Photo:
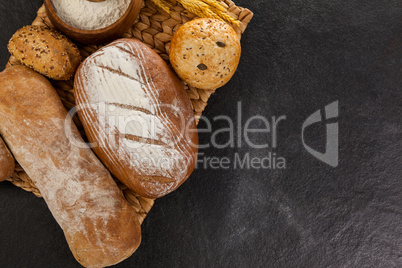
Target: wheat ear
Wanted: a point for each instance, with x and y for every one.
(164, 5)
(196, 7)
(214, 3)
(226, 17)
(204, 9)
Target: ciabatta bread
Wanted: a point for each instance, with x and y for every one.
(138, 116)
(7, 163)
(100, 226)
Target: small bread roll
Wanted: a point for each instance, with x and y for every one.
(205, 53)
(7, 163)
(46, 51)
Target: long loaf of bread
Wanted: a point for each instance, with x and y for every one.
(7, 163)
(100, 226)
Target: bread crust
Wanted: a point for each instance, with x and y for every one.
(131, 78)
(100, 227)
(205, 53)
(46, 51)
(7, 163)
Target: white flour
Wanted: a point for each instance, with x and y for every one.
(87, 15)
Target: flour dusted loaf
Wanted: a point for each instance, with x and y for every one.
(46, 51)
(7, 163)
(205, 53)
(100, 226)
(138, 116)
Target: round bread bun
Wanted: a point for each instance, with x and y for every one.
(205, 53)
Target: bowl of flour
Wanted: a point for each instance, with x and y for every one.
(93, 22)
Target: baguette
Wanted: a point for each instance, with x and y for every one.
(7, 163)
(99, 225)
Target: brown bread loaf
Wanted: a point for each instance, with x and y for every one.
(100, 226)
(136, 112)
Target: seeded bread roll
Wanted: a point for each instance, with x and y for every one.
(138, 116)
(205, 53)
(46, 51)
(7, 163)
(100, 226)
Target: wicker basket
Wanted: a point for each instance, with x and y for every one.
(154, 28)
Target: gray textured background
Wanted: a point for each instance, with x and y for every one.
(298, 56)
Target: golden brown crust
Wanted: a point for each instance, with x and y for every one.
(100, 226)
(205, 53)
(159, 80)
(7, 163)
(46, 51)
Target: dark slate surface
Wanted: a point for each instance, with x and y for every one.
(298, 56)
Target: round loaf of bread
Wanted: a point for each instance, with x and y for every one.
(205, 53)
(138, 117)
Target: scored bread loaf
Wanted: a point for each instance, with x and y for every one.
(7, 163)
(100, 226)
(136, 112)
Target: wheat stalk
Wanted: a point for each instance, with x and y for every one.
(194, 6)
(226, 17)
(214, 3)
(200, 8)
(164, 5)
